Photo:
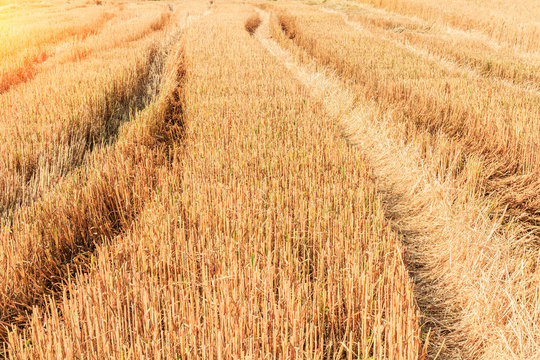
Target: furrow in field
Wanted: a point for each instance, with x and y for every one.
(484, 121)
(269, 241)
(501, 24)
(451, 247)
(44, 144)
(54, 236)
(512, 72)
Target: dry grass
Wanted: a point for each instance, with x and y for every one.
(85, 104)
(96, 202)
(474, 113)
(456, 282)
(264, 236)
(288, 24)
(252, 23)
(504, 21)
(203, 180)
(47, 142)
(26, 42)
(473, 54)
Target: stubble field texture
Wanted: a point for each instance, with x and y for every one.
(315, 179)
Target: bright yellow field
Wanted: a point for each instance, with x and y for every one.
(269, 179)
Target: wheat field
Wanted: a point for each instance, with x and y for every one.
(312, 179)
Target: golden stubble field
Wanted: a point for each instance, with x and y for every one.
(269, 179)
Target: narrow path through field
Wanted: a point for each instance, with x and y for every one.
(457, 308)
(30, 181)
(460, 68)
(449, 29)
(119, 182)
